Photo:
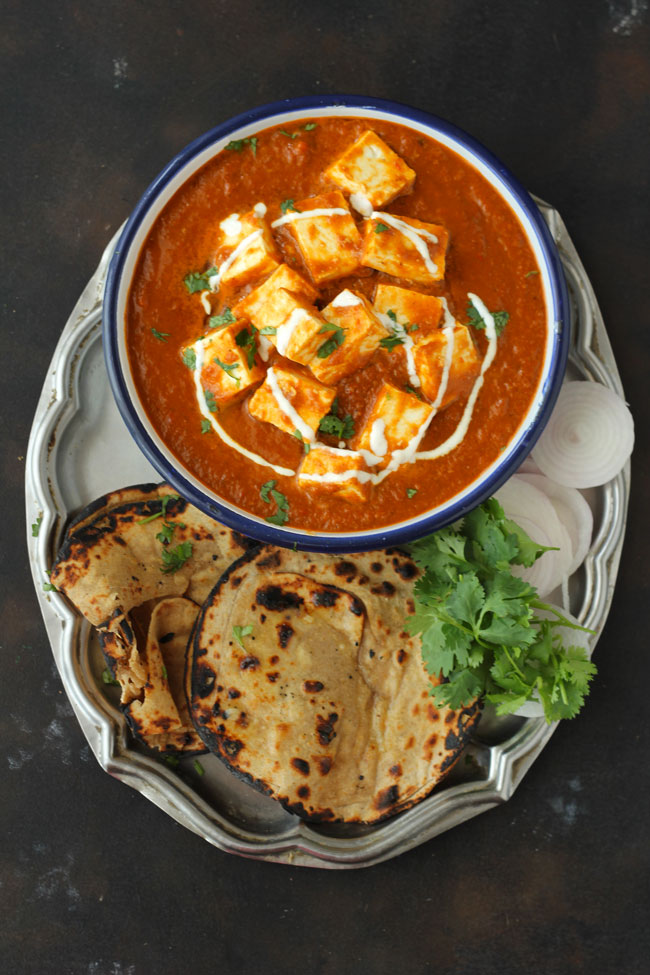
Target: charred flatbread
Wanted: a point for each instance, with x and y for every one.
(138, 563)
(305, 682)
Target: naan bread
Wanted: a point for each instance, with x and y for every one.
(323, 702)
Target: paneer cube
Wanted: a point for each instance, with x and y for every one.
(246, 250)
(371, 173)
(283, 277)
(325, 235)
(227, 369)
(349, 346)
(395, 419)
(292, 402)
(430, 357)
(291, 324)
(405, 248)
(417, 313)
(343, 473)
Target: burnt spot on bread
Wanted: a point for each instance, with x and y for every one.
(401, 656)
(204, 680)
(356, 606)
(395, 770)
(235, 582)
(274, 659)
(285, 631)
(272, 676)
(386, 798)
(325, 728)
(300, 765)
(233, 693)
(384, 589)
(231, 746)
(406, 570)
(277, 600)
(346, 569)
(242, 720)
(377, 567)
(324, 763)
(304, 792)
(269, 561)
(249, 663)
(312, 686)
(450, 717)
(433, 714)
(325, 597)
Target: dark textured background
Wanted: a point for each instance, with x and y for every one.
(93, 878)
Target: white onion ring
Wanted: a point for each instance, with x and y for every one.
(570, 638)
(534, 512)
(573, 511)
(588, 438)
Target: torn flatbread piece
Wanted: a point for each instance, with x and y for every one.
(305, 682)
(138, 563)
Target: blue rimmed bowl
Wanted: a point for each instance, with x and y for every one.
(181, 168)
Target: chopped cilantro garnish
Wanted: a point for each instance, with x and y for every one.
(36, 526)
(108, 678)
(298, 435)
(530, 274)
(239, 632)
(49, 587)
(164, 672)
(199, 280)
(309, 126)
(225, 318)
(172, 760)
(210, 401)
(238, 145)
(189, 358)
(380, 228)
(166, 533)
(412, 391)
(391, 341)
(198, 768)
(411, 492)
(478, 622)
(269, 494)
(268, 330)
(164, 503)
(246, 340)
(206, 425)
(175, 558)
(290, 135)
(500, 318)
(288, 205)
(341, 428)
(333, 343)
(161, 336)
(230, 368)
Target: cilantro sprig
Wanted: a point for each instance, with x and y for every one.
(478, 621)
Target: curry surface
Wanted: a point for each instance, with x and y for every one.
(488, 255)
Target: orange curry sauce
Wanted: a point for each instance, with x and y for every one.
(488, 255)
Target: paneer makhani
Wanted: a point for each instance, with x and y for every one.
(326, 315)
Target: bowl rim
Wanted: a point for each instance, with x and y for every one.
(400, 532)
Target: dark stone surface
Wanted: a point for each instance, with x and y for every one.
(93, 878)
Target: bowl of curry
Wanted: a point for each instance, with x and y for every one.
(335, 323)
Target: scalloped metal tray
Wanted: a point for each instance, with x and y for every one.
(79, 448)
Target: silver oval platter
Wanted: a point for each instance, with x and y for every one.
(79, 449)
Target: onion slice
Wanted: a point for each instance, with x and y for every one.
(570, 638)
(588, 438)
(534, 512)
(573, 511)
